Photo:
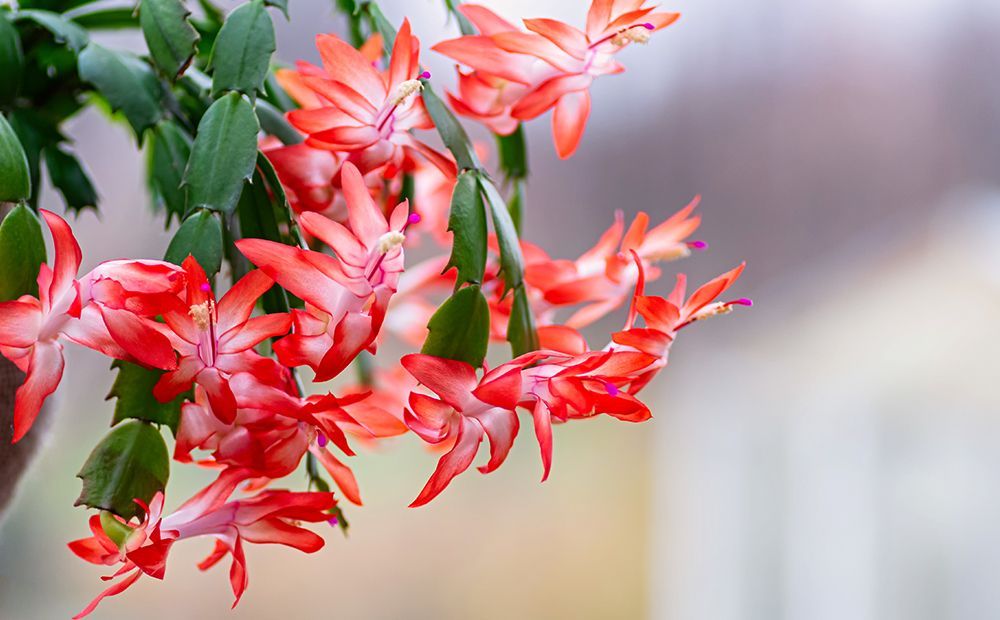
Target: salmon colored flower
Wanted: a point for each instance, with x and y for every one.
(520, 75)
(350, 106)
(272, 516)
(551, 385)
(215, 339)
(31, 329)
(347, 294)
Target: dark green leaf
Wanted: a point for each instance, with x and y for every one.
(259, 211)
(273, 122)
(11, 59)
(34, 133)
(463, 22)
(200, 236)
(460, 329)
(242, 52)
(276, 95)
(130, 463)
(169, 35)
(170, 150)
(516, 204)
(62, 29)
(352, 10)
(468, 221)
(513, 154)
(133, 391)
(511, 260)
(223, 154)
(521, 332)
(452, 133)
(69, 177)
(22, 252)
(126, 82)
(15, 179)
(108, 19)
(381, 25)
(281, 5)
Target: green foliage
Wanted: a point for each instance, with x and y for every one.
(170, 149)
(273, 122)
(223, 154)
(133, 391)
(22, 252)
(130, 463)
(242, 52)
(521, 332)
(281, 5)
(171, 38)
(15, 179)
(63, 30)
(127, 83)
(11, 59)
(115, 18)
(200, 236)
(511, 260)
(468, 221)
(463, 22)
(452, 132)
(381, 25)
(513, 153)
(69, 177)
(460, 329)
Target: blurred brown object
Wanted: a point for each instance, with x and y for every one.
(14, 458)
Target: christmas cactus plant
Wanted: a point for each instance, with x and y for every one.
(295, 194)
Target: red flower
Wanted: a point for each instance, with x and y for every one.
(519, 76)
(269, 517)
(215, 340)
(92, 312)
(347, 294)
(350, 106)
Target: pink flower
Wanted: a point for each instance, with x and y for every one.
(550, 384)
(215, 339)
(521, 75)
(92, 312)
(347, 295)
(272, 516)
(350, 106)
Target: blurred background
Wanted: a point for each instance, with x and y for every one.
(829, 454)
